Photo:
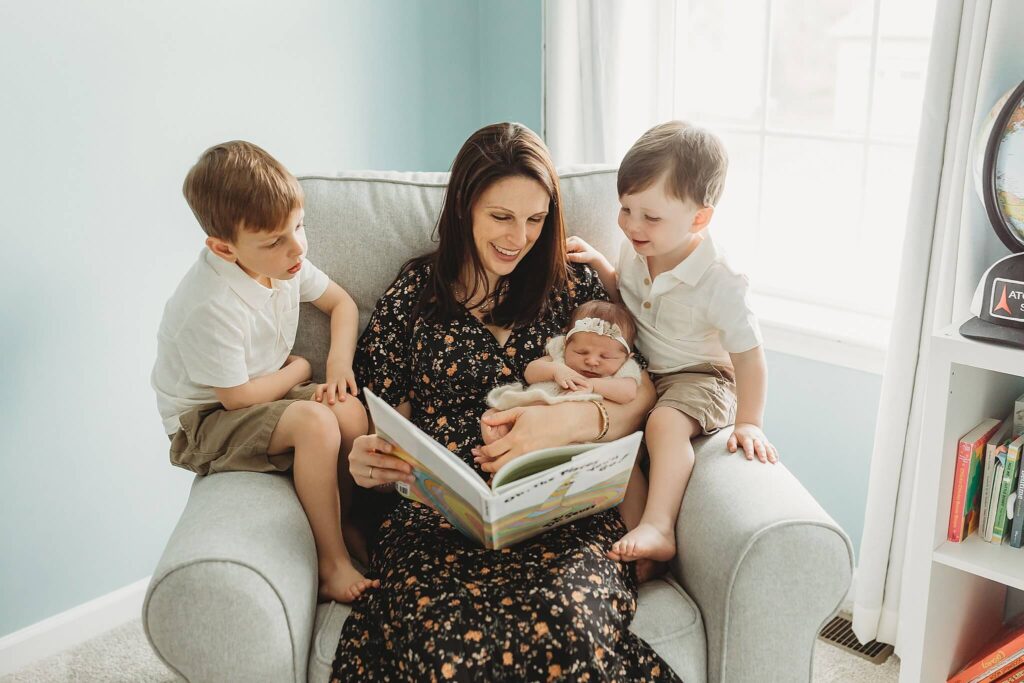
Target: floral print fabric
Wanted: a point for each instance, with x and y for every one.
(552, 608)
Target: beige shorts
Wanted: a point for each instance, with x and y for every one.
(213, 439)
(705, 392)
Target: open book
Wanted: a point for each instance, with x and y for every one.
(529, 495)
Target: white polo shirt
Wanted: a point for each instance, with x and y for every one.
(221, 329)
(697, 312)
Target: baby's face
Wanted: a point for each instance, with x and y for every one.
(594, 355)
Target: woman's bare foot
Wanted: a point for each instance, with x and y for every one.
(342, 582)
(645, 541)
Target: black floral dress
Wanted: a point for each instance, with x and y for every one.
(551, 608)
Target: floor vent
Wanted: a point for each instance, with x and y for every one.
(839, 632)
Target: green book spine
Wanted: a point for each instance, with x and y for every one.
(1008, 486)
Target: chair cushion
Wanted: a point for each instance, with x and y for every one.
(666, 618)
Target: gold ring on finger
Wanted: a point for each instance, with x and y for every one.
(371, 472)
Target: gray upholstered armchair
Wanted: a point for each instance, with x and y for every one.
(234, 595)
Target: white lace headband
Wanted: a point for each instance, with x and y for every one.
(601, 327)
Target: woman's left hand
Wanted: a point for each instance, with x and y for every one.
(530, 428)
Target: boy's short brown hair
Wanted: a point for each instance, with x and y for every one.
(692, 159)
(613, 313)
(237, 184)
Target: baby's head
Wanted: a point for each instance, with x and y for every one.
(599, 339)
(669, 183)
(250, 208)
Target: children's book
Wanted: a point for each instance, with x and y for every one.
(1003, 653)
(997, 480)
(1015, 676)
(1007, 490)
(528, 496)
(1018, 416)
(988, 481)
(963, 511)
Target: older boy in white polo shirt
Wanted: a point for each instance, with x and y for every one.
(231, 395)
(694, 324)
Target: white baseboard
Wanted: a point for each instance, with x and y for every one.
(70, 628)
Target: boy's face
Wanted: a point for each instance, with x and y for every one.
(594, 355)
(264, 256)
(660, 225)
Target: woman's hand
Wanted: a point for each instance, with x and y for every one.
(530, 428)
(372, 466)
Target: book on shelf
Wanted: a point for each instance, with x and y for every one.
(986, 511)
(531, 494)
(997, 480)
(1018, 416)
(999, 656)
(963, 510)
(1016, 503)
(1007, 490)
(1015, 676)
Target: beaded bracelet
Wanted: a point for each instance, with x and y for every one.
(605, 421)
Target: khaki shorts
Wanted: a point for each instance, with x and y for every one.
(705, 392)
(212, 439)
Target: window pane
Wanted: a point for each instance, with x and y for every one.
(821, 63)
(901, 67)
(810, 221)
(735, 222)
(720, 60)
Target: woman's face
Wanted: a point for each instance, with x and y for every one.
(507, 220)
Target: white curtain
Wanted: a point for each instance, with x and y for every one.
(931, 288)
(608, 70)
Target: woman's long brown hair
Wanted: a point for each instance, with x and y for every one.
(501, 150)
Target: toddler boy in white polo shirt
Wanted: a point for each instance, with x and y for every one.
(695, 327)
(231, 395)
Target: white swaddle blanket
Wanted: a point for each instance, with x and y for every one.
(512, 395)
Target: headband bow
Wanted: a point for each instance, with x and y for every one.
(601, 327)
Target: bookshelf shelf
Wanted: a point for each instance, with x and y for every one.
(954, 593)
(989, 561)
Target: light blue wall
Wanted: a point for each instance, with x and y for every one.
(104, 107)
(822, 419)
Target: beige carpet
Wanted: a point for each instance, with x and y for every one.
(124, 655)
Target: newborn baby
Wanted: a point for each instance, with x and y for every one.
(592, 361)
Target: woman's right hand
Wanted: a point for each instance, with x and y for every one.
(371, 464)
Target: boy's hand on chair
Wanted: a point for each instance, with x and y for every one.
(341, 381)
(754, 443)
(578, 251)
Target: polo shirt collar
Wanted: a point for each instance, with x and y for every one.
(248, 290)
(693, 267)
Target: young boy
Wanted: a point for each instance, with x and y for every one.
(231, 395)
(695, 327)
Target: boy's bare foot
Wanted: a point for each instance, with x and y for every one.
(645, 541)
(342, 582)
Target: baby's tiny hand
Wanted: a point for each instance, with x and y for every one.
(567, 378)
(751, 438)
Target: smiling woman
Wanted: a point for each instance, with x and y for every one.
(455, 324)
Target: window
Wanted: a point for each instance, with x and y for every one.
(818, 102)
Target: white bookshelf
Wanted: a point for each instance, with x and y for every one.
(954, 592)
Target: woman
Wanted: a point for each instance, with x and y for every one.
(453, 325)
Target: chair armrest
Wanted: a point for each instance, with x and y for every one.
(234, 594)
(763, 561)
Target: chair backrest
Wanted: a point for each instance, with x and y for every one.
(363, 226)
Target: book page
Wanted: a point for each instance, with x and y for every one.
(443, 480)
(593, 480)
